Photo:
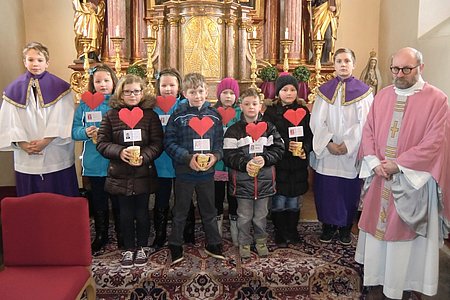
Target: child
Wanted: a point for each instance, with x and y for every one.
(102, 80)
(227, 95)
(337, 120)
(184, 145)
(291, 170)
(131, 181)
(241, 153)
(36, 122)
(168, 83)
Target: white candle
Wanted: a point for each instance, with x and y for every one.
(254, 32)
(84, 32)
(318, 37)
(286, 34)
(117, 31)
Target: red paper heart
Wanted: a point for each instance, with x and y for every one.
(131, 117)
(256, 130)
(92, 100)
(295, 116)
(201, 126)
(165, 103)
(227, 114)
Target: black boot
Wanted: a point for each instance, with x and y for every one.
(160, 223)
(101, 222)
(279, 223)
(328, 232)
(189, 228)
(292, 217)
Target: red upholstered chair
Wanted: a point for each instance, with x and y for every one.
(46, 248)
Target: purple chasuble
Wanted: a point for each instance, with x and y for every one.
(49, 89)
(354, 89)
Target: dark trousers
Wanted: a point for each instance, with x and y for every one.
(162, 196)
(134, 208)
(100, 196)
(205, 200)
(220, 193)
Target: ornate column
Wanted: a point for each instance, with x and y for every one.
(137, 30)
(116, 25)
(271, 31)
(293, 22)
(244, 60)
(231, 33)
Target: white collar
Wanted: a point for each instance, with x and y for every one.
(417, 87)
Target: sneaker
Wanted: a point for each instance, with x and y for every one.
(244, 251)
(345, 237)
(141, 258)
(127, 259)
(215, 251)
(261, 248)
(176, 252)
(328, 232)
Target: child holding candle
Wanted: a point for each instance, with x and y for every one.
(131, 181)
(87, 119)
(252, 186)
(291, 118)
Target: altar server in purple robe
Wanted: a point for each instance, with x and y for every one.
(36, 121)
(337, 119)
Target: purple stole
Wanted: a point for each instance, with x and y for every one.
(354, 90)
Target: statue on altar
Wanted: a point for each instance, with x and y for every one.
(89, 23)
(371, 73)
(325, 16)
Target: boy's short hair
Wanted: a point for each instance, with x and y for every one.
(250, 92)
(193, 81)
(38, 47)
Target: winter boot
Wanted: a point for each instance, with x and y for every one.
(160, 222)
(101, 222)
(189, 228)
(292, 217)
(234, 230)
(219, 220)
(279, 223)
(261, 247)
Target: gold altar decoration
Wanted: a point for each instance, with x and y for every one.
(286, 44)
(79, 81)
(150, 42)
(253, 43)
(318, 79)
(117, 42)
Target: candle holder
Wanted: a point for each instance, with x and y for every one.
(79, 81)
(117, 42)
(254, 43)
(286, 44)
(318, 79)
(150, 42)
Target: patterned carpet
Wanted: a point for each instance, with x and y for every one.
(309, 270)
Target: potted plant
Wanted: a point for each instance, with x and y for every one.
(137, 70)
(268, 75)
(302, 74)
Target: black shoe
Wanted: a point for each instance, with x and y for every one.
(279, 223)
(215, 251)
(176, 252)
(328, 232)
(345, 237)
(101, 223)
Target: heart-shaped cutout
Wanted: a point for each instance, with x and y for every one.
(256, 130)
(227, 114)
(92, 100)
(131, 117)
(165, 103)
(201, 126)
(295, 116)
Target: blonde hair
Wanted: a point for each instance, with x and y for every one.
(38, 47)
(193, 81)
(117, 101)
